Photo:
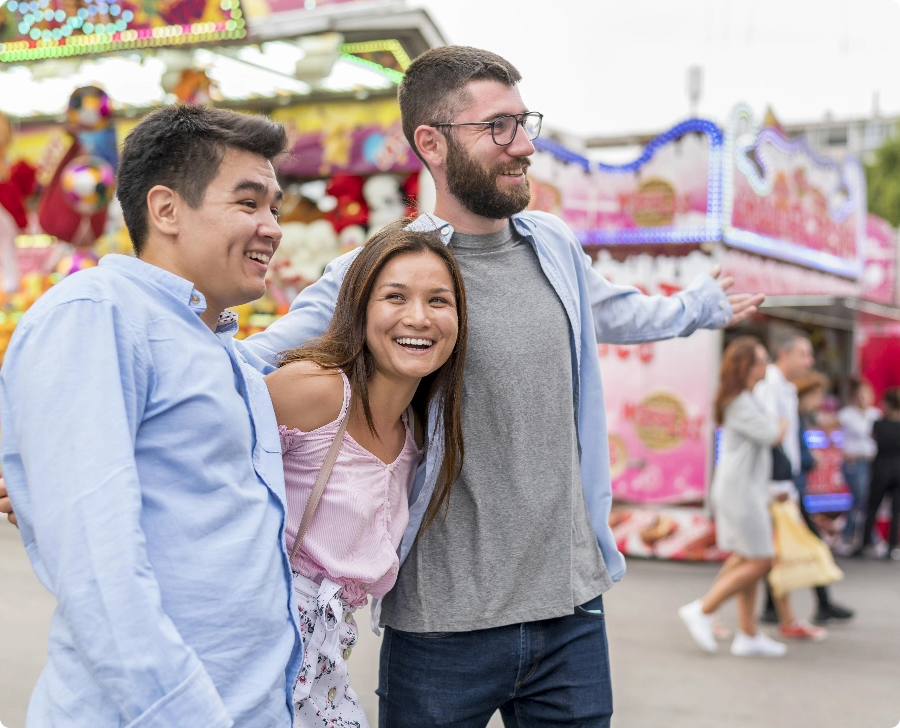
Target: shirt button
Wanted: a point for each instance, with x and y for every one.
(722, 305)
(195, 299)
(346, 655)
(331, 694)
(391, 468)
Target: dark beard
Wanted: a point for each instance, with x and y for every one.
(476, 187)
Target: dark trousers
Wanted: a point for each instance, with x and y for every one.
(885, 481)
(545, 674)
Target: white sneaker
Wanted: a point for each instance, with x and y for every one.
(895, 553)
(699, 625)
(758, 646)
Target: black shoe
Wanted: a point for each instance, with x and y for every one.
(769, 616)
(832, 611)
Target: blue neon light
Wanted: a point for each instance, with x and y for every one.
(816, 440)
(663, 234)
(828, 502)
(720, 198)
(790, 252)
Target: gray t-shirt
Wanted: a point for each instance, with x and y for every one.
(517, 544)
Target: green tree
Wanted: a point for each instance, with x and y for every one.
(883, 181)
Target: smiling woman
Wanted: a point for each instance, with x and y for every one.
(352, 408)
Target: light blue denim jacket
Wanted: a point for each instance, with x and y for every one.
(598, 311)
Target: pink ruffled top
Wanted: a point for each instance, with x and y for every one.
(355, 533)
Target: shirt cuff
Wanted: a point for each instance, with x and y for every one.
(195, 702)
(716, 306)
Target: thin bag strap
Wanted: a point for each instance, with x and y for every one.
(319, 488)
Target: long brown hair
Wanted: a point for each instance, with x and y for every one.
(737, 361)
(343, 346)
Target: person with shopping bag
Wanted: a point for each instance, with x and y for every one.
(740, 502)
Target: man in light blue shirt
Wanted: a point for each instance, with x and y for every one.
(141, 452)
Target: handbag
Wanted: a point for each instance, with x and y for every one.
(781, 466)
(802, 559)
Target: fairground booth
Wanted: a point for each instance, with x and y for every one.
(781, 221)
(77, 75)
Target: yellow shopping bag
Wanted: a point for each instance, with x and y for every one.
(802, 559)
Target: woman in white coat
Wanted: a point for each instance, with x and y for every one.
(741, 502)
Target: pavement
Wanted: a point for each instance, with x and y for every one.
(660, 678)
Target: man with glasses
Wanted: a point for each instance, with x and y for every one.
(499, 604)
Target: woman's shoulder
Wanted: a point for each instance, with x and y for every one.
(305, 395)
(743, 400)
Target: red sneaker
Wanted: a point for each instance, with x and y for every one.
(802, 630)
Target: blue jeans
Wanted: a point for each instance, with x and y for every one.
(856, 473)
(546, 674)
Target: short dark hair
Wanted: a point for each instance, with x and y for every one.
(182, 147)
(433, 89)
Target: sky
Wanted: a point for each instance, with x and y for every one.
(616, 66)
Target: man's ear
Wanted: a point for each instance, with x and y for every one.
(432, 145)
(162, 207)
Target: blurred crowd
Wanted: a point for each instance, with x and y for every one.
(768, 408)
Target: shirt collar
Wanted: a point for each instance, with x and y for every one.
(168, 282)
(427, 222)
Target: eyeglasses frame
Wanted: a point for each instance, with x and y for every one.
(520, 118)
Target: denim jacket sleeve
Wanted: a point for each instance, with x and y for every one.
(309, 317)
(75, 377)
(624, 315)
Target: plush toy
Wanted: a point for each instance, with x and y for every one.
(384, 199)
(301, 257)
(351, 209)
(70, 215)
(353, 236)
(410, 189)
(89, 109)
(17, 182)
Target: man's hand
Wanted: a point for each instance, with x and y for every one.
(6, 504)
(743, 305)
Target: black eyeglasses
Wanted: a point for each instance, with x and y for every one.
(504, 128)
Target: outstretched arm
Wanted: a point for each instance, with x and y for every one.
(72, 390)
(624, 315)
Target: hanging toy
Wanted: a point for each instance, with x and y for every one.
(74, 211)
(89, 109)
(87, 185)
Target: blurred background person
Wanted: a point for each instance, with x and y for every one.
(885, 474)
(811, 391)
(741, 502)
(856, 420)
(793, 360)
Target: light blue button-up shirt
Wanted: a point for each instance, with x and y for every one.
(142, 458)
(598, 311)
